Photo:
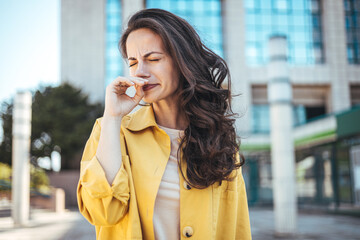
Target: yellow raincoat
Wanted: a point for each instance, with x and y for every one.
(124, 209)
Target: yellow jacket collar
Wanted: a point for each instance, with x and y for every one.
(141, 119)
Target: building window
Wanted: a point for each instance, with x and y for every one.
(352, 24)
(203, 15)
(114, 62)
(355, 95)
(314, 175)
(309, 103)
(299, 20)
(260, 119)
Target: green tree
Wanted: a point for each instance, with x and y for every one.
(6, 145)
(62, 117)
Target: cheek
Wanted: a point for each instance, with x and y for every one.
(172, 74)
(176, 78)
(131, 72)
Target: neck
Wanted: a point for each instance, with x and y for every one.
(169, 115)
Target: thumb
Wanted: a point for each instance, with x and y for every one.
(139, 94)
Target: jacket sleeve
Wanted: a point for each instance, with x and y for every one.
(100, 203)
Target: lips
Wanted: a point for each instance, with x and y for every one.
(149, 86)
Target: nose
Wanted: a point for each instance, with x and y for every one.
(141, 71)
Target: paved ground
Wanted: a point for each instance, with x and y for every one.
(310, 226)
(45, 225)
(71, 225)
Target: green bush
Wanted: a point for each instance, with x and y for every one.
(5, 171)
(5, 177)
(62, 117)
(39, 181)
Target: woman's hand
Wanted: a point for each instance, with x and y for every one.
(117, 105)
(117, 102)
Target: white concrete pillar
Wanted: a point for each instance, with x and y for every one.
(282, 148)
(58, 200)
(21, 158)
(234, 51)
(334, 35)
(83, 45)
(129, 7)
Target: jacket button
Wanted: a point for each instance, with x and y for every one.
(186, 186)
(188, 231)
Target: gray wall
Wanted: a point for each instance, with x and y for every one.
(83, 46)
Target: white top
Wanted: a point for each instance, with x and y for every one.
(167, 204)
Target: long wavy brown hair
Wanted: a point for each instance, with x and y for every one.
(210, 145)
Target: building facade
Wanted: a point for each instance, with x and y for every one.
(83, 46)
(323, 54)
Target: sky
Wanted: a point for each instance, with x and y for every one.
(29, 45)
(30, 36)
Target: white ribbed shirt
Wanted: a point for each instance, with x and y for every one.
(167, 204)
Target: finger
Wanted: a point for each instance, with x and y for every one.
(120, 90)
(139, 94)
(122, 87)
(121, 81)
(139, 81)
(138, 78)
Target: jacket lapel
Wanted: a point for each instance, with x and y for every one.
(149, 150)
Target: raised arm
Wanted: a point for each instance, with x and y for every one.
(117, 105)
(103, 188)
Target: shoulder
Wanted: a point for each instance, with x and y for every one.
(133, 116)
(133, 119)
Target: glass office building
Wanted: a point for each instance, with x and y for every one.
(324, 56)
(204, 15)
(299, 21)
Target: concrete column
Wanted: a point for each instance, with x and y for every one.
(282, 148)
(234, 49)
(83, 46)
(21, 158)
(129, 7)
(334, 35)
(58, 200)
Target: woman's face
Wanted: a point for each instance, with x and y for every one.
(148, 59)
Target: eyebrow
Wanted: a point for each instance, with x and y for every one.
(146, 55)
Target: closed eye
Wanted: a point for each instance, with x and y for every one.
(151, 60)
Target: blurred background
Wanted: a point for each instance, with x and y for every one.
(66, 52)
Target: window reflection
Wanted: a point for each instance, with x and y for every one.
(305, 177)
(327, 183)
(314, 174)
(204, 15)
(260, 116)
(114, 62)
(299, 20)
(352, 24)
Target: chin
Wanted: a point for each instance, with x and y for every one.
(149, 99)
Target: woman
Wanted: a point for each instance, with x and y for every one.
(174, 172)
